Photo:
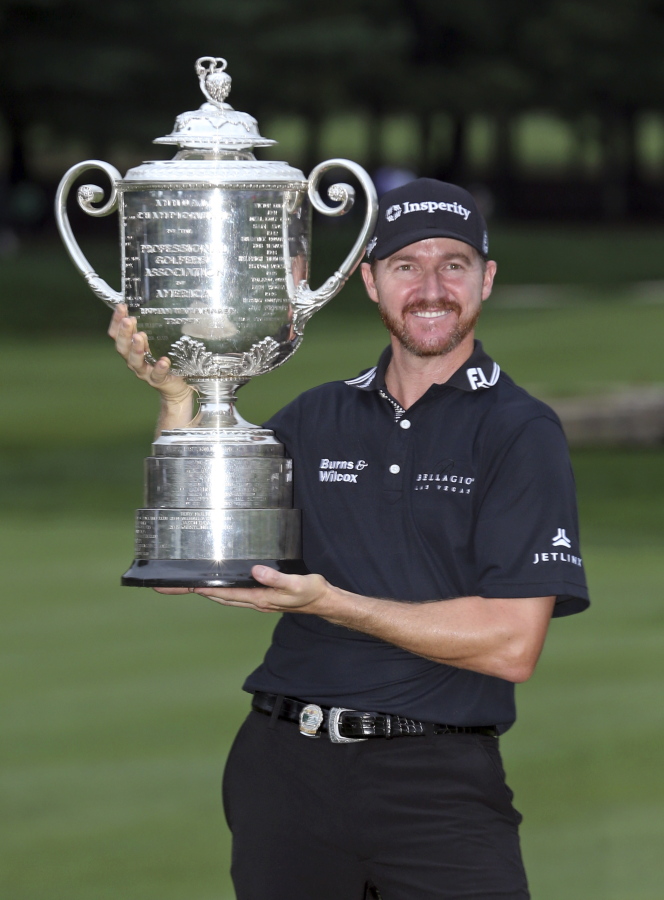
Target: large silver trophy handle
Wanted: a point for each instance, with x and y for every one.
(306, 301)
(87, 195)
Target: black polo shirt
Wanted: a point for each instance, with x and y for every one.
(468, 492)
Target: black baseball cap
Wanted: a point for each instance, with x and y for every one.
(426, 208)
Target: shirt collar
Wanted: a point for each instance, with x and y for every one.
(478, 372)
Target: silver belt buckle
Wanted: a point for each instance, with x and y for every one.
(333, 727)
(311, 718)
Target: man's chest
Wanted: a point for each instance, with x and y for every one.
(389, 505)
(428, 464)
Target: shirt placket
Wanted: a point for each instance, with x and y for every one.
(396, 455)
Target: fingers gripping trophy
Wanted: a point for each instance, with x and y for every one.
(215, 261)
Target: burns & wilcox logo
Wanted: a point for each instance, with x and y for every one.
(341, 469)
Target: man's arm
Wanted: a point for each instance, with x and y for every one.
(499, 637)
(177, 397)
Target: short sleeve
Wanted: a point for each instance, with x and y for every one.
(527, 532)
(285, 424)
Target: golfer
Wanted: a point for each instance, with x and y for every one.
(440, 530)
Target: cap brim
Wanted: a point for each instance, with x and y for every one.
(399, 241)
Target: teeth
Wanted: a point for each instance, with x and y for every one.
(434, 314)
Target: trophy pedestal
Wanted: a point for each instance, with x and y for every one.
(204, 572)
(218, 501)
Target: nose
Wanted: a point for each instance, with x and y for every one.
(431, 286)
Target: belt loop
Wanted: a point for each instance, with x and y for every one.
(276, 709)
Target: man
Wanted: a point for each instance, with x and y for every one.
(439, 523)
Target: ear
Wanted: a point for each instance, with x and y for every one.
(369, 283)
(489, 275)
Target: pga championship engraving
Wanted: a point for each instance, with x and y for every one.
(215, 250)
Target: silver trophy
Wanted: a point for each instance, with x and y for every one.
(215, 261)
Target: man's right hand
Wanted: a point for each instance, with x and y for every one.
(132, 346)
(176, 395)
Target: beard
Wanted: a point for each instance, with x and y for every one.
(433, 345)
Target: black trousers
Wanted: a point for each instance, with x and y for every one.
(402, 819)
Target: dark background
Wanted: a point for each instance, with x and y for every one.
(553, 109)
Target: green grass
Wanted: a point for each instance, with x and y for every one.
(43, 294)
(120, 705)
(584, 759)
(579, 345)
(119, 708)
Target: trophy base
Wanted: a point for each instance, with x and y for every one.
(204, 572)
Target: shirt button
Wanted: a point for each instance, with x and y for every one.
(405, 423)
(395, 469)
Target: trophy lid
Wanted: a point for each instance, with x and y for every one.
(216, 125)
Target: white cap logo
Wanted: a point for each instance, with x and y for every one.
(370, 246)
(429, 206)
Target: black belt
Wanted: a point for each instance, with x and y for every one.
(345, 725)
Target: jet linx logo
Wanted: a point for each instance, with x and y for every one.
(559, 539)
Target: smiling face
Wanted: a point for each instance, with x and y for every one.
(430, 294)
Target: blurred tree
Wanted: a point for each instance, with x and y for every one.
(122, 71)
(105, 71)
(601, 58)
(67, 65)
(462, 60)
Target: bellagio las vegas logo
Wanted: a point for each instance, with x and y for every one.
(559, 539)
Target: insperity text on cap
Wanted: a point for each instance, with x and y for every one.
(426, 208)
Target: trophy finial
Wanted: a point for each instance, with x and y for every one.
(213, 79)
(216, 126)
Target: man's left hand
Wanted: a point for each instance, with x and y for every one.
(282, 593)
